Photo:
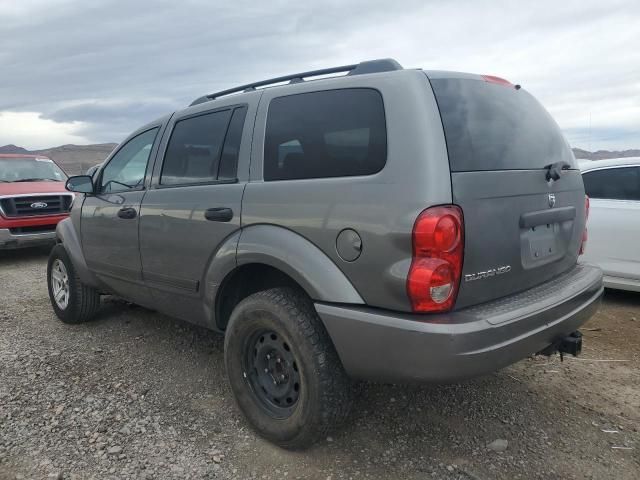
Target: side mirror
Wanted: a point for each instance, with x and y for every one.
(80, 184)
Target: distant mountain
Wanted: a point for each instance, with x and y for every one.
(74, 159)
(604, 154)
(12, 149)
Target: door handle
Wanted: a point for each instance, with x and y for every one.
(127, 213)
(220, 214)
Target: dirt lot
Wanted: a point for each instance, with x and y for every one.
(135, 394)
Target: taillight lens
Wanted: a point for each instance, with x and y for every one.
(436, 266)
(585, 236)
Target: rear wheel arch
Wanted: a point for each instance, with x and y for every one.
(269, 256)
(244, 281)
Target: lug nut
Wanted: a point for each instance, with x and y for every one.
(266, 370)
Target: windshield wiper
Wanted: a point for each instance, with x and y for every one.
(36, 180)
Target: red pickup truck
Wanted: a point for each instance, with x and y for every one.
(32, 200)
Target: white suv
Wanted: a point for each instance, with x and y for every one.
(613, 187)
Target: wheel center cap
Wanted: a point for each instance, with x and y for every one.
(277, 368)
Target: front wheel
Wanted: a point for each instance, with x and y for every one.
(283, 369)
(72, 301)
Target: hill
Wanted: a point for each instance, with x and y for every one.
(604, 154)
(74, 159)
(13, 149)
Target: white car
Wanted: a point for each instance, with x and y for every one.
(613, 187)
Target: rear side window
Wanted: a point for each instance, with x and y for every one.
(333, 133)
(613, 183)
(495, 127)
(204, 149)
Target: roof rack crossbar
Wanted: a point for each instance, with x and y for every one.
(372, 66)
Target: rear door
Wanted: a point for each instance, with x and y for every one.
(194, 204)
(614, 220)
(521, 228)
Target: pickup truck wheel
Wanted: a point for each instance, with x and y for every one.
(283, 369)
(72, 301)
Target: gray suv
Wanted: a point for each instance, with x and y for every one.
(385, 224)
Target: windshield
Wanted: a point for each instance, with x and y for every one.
(493, 127)
(30, 170)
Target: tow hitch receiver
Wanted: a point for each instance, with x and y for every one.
(571, 344)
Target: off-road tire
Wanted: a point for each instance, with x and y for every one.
(84, 301)
(325, 394)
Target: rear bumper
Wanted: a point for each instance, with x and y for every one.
(392, 347)
(10, 240)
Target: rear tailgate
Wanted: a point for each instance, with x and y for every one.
(520, 229)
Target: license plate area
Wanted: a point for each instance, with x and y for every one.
(540, 244)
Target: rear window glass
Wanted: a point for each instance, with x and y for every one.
(495, 127)
(333, 133)
(613, 183)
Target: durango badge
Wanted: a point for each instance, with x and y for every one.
(470, 277)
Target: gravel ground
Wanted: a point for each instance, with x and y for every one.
(135, 394)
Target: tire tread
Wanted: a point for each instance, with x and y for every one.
(84, 300)
(335, 387)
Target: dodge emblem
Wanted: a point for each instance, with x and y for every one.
(39, 205)
(552, 200)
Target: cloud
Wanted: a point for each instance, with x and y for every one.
(29, 128)
(104, 120)
(115, 65)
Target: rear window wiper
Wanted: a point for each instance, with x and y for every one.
(554, 170)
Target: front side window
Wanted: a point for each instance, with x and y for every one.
(126, 169)
(204, 149)
(622, 183)
(332, 133)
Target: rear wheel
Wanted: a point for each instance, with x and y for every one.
(283, 369)
(72, 301)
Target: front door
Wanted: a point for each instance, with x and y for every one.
(193, 205)
(110, 218)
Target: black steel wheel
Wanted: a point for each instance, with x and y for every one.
(272, 373)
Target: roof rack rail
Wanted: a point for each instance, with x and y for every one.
(370, 66)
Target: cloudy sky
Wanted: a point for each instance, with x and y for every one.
(91, 71)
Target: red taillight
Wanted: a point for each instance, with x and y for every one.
(586, 208)
(583, 243)
(438, 245)
(494, 79)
